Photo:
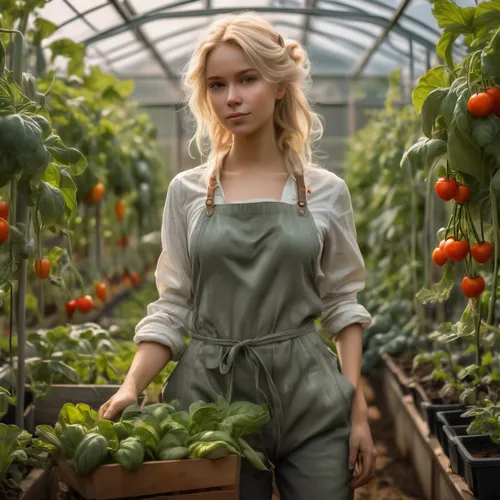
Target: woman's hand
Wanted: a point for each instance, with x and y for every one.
(362, 453)
(125, 396)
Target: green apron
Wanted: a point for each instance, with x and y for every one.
(255, 302)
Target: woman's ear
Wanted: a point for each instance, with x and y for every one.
(280, 92)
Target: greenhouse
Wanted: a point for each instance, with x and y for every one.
(249, 249)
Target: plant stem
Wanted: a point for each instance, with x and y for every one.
(478, 332)
(471, 222)
(23, 221)
(496, 243)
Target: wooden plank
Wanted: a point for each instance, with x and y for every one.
(154, 478)
(35, 485)
(232, 494)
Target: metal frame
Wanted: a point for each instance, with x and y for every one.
(341, 13)
(122, 8)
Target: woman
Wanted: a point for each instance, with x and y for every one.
(257, 244)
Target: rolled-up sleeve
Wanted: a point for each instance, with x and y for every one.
(169, 318)
(342, 267)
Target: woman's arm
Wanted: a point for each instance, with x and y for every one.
(149, 360)
(350, 352)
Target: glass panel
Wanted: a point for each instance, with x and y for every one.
(141, 64)
(125, 51)
(57, 12)
(141, 6)
(104, 18)
(161, 28)
(329, 58)
(116, 42)
(83, 5)
(231, 4)
(346, 30)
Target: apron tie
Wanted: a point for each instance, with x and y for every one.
(226, 366)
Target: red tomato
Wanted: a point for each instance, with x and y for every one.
(101, 291)
(135, 278)
(85, 303)
(97, 192)
(120, 209)
(472, 287)
(439, 257)
(456, 250)
(4, 231)
(4, 210)
(446, 188)
(480, 104)
(495, 93)
(71, 306)
(482, 252)
(42, 268)
(443, 242)
(463, 194)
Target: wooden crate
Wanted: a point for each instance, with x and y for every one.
(192, 479)
(47, 410)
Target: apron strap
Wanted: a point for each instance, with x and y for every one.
(301, 195)
(210, 201)
(212, 184)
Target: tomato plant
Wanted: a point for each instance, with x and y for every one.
(463, 194)
(494, 92)
(482, 252)
(71, 306)
(456, 250)
(135, 278)
(480, 104)
(473, 287)
(4, 231)
(439, 257)
(4, 210)
(101, 291)
(42, 268)
(85, 303)
(446, 188)
(120, 209)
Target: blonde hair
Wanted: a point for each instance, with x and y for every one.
(278, 61)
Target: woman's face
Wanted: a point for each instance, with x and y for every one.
(241, 98)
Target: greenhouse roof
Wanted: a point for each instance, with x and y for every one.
(154, 38)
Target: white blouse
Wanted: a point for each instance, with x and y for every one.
(340, 267)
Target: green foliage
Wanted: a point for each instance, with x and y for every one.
(156, 432)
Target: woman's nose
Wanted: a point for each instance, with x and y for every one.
(233, 97)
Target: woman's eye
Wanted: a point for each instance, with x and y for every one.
(215, 85)
(248, 79)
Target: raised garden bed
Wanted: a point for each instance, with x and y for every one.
(481, 465)
(422, 449)
(398, 373)
(456, 461)
(447, 419)
(194, 479)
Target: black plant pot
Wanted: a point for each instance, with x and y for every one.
(456, 461)
(431, 410)
(481, 474)
(449, 419)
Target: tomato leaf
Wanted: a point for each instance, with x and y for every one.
(490, 57)
(44, 29)
(444, 48)
(431, 109)
(68, 191)
(424, 152)
(463, 154)
(495, 181)
(67, 156)
(450, 101)
(439, 292)
(74, 51)
(50, 204)
(453, 18)
(437, 77)
(485, 130)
